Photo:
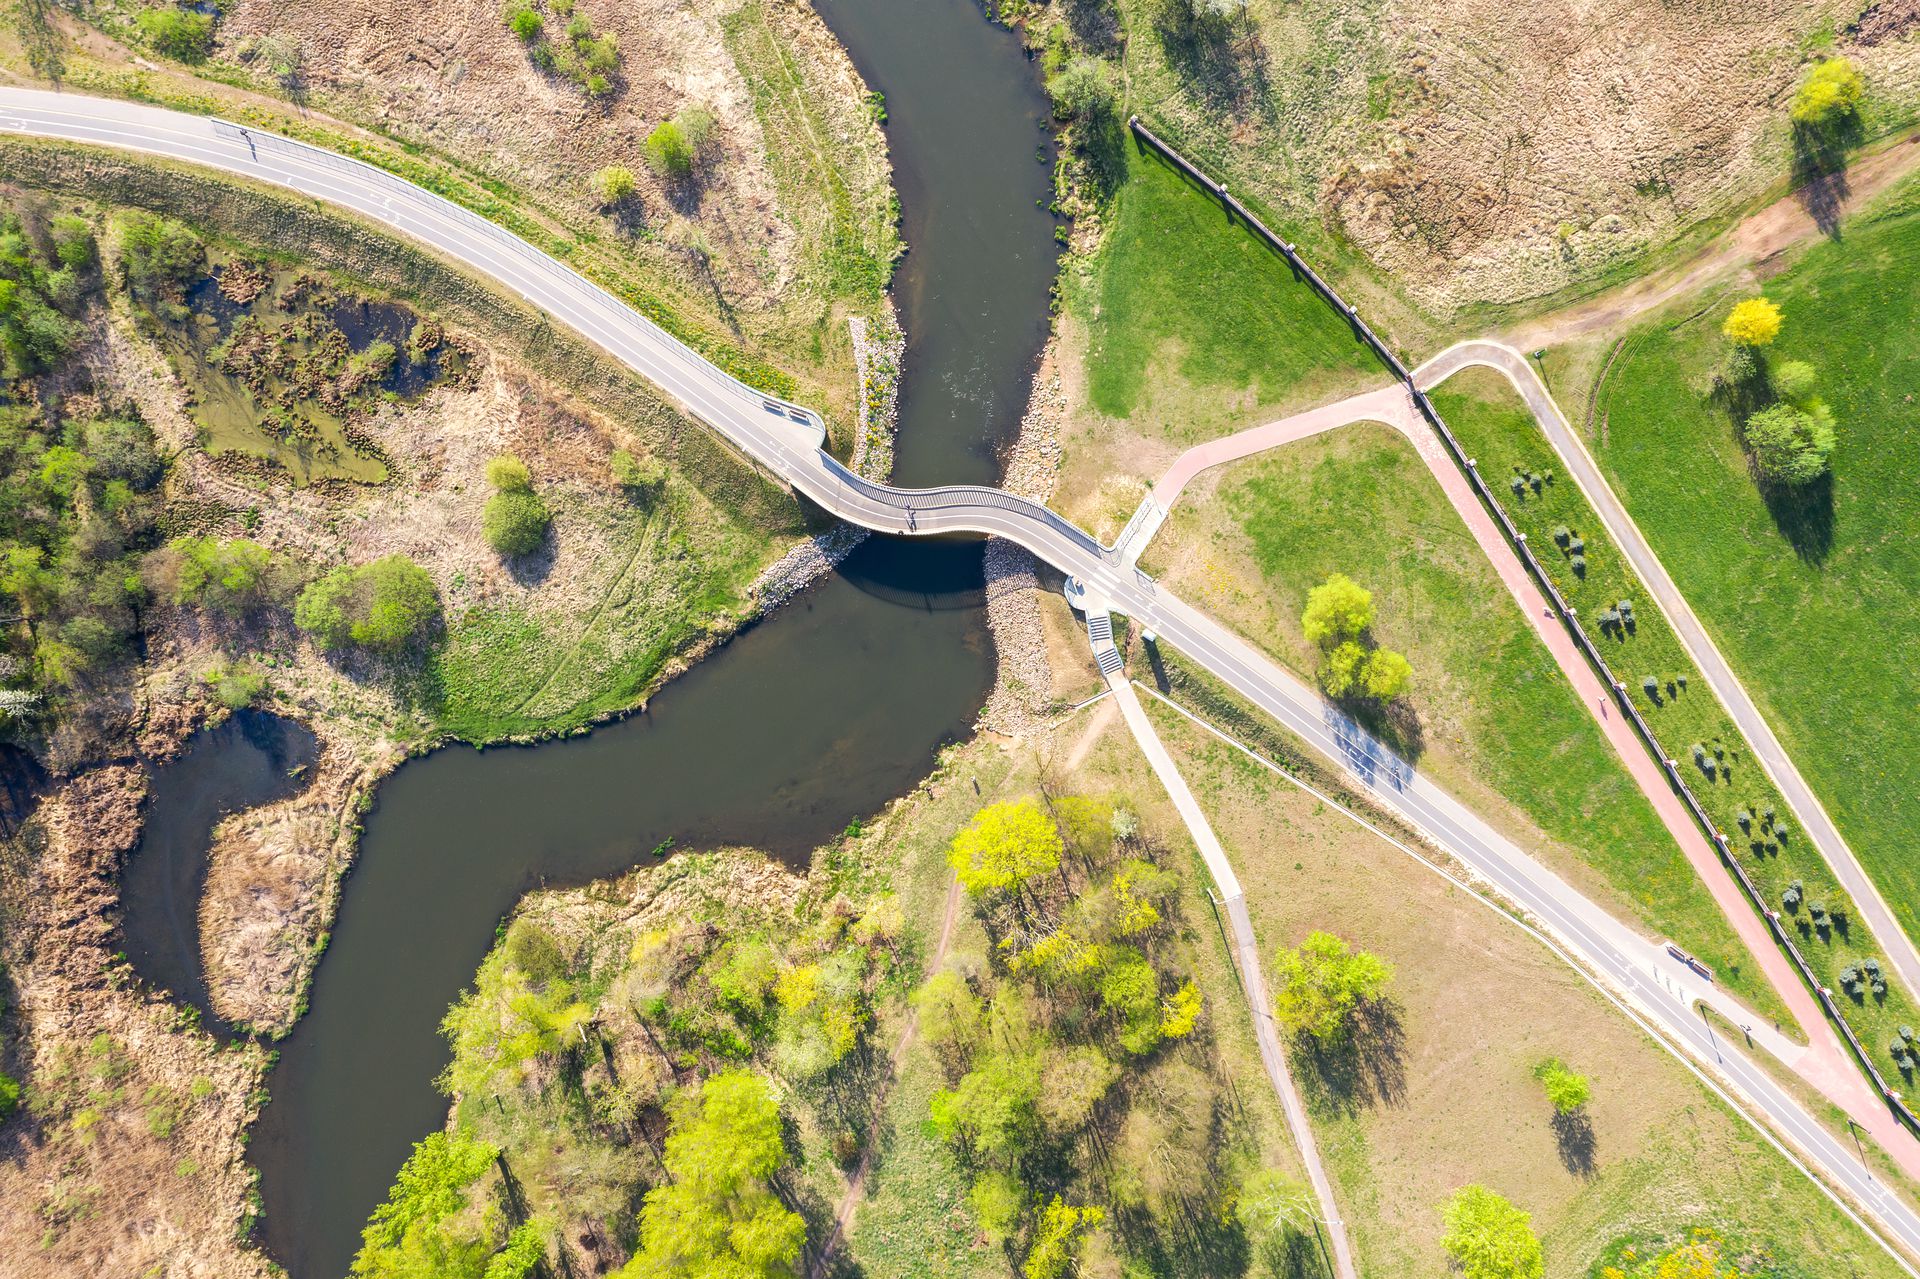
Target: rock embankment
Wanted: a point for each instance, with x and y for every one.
(1023, 690)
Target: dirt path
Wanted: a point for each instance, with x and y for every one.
(857, 1184)
(1778, 227)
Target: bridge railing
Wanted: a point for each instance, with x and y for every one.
(1566, 612)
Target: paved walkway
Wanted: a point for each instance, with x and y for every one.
(1733, 695)
(1233, 904)
(1824, 1062)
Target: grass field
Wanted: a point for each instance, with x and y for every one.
(1496, 721)
(1493, 425)
(1441, 1092)
(1181, 327)
(1838, 580)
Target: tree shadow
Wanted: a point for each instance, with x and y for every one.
(1361, 1070)
(1573, 1136)
(1804, 516)
(1220, 59)
(1094, 23)
(1820, 169)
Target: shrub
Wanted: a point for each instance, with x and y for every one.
(1567, 1090)
(1082, 91)
(1754, 322)
(73, 242)
(639, 475)
(613, 183)
(525, 22)
(1651, 687)
(667, 150)
(1489, 1238)
(507, 472)
(229, 576)
(1562, 535)
(177, 33)
(1793, 381)
(1832, 91)
(516, 521)
(1791, 446)
(236, 685)
(384, 605)
(9, 1095)
(1578, 563)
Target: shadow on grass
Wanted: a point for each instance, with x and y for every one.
(1573, 1136)
(1804, 516)
(1220, 59)
(1820, 169)
(1363, 1070)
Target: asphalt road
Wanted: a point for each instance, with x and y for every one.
(1726, 686)
(787, 439)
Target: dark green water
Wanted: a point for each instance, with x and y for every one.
(819, 715)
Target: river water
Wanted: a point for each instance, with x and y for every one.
(816, 716)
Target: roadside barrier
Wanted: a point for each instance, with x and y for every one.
(1567, 613)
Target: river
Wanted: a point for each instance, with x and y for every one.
(818, 715)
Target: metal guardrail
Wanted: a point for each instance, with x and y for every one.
(1566, 612)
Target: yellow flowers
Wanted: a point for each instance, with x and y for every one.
(1754, 322)
(798, 989)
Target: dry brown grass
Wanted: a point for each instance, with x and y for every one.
(1484, 152)
(1443, 1093)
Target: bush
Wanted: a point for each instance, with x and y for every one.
(177, 33)
(384, 605)
(1832, 91)
(9, 1095)
(1082, 91)
(1567, 1090)
(236, 685)
(638, 475)
(507, 473)
(1337, 609)
(228, 576)
(667, 150)
(1791, 446)
(1489, 1238)
(73, 242)
(516, 521)
(613, 184)
(1793, 381)
(525, 23)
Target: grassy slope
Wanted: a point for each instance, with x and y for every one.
(1455, 1100)
(1498, 723)
(1824, 639)
(1494, 425)
(1181, 283)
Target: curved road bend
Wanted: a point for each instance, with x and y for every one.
(1706, 655)
(787, 440)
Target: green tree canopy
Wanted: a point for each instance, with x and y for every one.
(1322, 981)
(516, 521)
(1566, 1089)
(1338, 609)
(1489, 1238)
(951, 1016)
(384, 605)
(716, 1218)
(992, 1110)
(1791, 446)
(1273, 1209)
(1004, 846)
(668, 151)
(1057, 1238)
(1081, 90)
(414, 1234)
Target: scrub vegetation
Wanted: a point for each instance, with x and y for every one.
(1490, 715)
(1824, 563)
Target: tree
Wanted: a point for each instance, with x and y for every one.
(1793, 382)
(516, 519)
(613, 183)
(992, 1109)
(1490, 1238)
(1387, 674)
(717, 1216)
(1077, 1078)
(73, 242)
(1567, 1090)
(1273, 1209)
(1004, 846)
(1754, 322)
(414, 1233)
(229, 576)
(995, 1200)
(1338, 609)
(668, 151)
(1321, 983)
(1081, 91)
(1832, 91)
(177, 33)
(950, 1013)
(1791, 446)
(1057, 1239)
(385, 605)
